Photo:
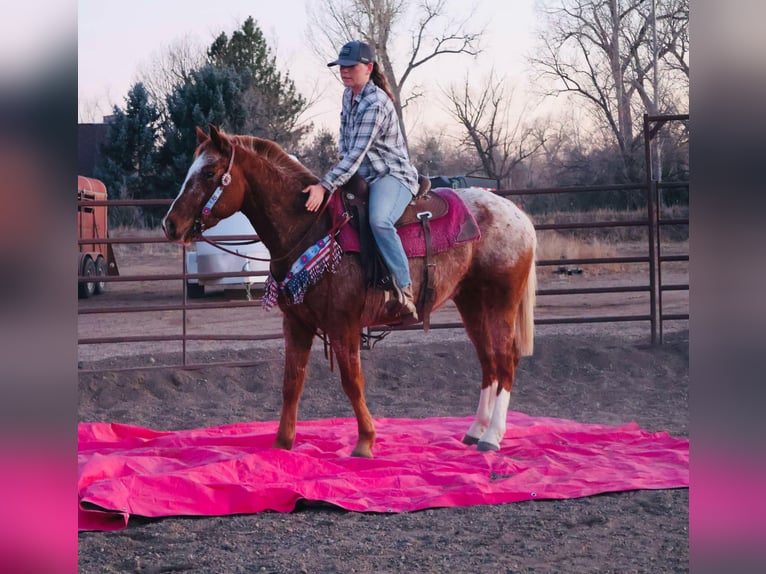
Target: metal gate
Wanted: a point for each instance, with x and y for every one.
(654, 315)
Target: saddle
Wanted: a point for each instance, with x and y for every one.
(356, 193)
(424, 208)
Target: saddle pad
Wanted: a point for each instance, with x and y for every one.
(458, 226)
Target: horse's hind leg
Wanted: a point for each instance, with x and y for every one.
(506, 369)
(489, 316)
(483, 413)
(298, 339)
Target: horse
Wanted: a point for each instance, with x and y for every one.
(492, 280)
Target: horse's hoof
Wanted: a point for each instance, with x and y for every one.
(470, 440)
(485, 446)
(362, 452)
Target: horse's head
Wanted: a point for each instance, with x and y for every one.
(213, 190)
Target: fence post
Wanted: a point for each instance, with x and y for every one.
(658, 236)
(184, 316)
(651, 185)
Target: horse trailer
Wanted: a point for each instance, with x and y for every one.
(94, 259)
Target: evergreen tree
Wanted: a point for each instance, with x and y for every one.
(239, 89)
(428, 156)
(248, 54)
(321, 154)
(127, 162)
(210, 95)
(271, 101)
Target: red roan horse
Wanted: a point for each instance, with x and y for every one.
(492, 281)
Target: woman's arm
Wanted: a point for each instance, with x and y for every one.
(368, 128)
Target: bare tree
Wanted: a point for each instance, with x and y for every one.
(380, 22)
(321, 153)
(437, 154)
(170, 67)
(91, 110)
(676, 30)
(500, 141)
(622, 57)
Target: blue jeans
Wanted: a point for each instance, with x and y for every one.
(389, 198)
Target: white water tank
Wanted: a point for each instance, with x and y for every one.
(207, 258)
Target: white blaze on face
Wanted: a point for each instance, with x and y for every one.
(484, 411)
(194, 169)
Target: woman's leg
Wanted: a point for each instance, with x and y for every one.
(388, 200)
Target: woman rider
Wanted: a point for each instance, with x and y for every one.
(372, 144)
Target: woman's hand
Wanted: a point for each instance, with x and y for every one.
(316, 196)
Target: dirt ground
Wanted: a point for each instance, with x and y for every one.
(590, 378)
(603, 373)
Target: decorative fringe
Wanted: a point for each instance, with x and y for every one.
(323, 256)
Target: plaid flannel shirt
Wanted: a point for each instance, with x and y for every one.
(370, 141)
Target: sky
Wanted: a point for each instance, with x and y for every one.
(116, 38)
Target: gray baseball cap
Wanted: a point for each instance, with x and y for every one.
(353, 53)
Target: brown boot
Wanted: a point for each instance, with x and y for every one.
(402, 305)
(407, 302)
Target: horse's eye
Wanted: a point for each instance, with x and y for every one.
(208, 174)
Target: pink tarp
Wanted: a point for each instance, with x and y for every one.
(419, 463)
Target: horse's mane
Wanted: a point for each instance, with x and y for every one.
(276, 155)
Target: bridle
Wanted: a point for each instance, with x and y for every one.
(226, 180)
(197, 226)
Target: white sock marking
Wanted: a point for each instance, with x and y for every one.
(494, 434)
(484, 411)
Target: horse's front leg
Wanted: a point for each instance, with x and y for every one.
(298, 340)
(346, 347)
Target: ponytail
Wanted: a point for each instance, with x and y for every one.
(380, 80)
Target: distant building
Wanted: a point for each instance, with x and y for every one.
(89, 139)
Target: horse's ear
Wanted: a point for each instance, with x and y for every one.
(201, 136)
(218, 138)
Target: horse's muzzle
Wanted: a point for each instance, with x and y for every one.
(169, 227)
(172, 232)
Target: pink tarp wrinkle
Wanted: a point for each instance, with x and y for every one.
(419, 463)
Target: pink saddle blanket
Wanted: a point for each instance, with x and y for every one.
(456, 227)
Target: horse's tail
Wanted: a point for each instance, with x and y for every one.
(525, 318)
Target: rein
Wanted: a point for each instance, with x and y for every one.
(333, 230)
(226, 180)
(220, 245)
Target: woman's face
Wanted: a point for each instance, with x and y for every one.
(355, 77)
